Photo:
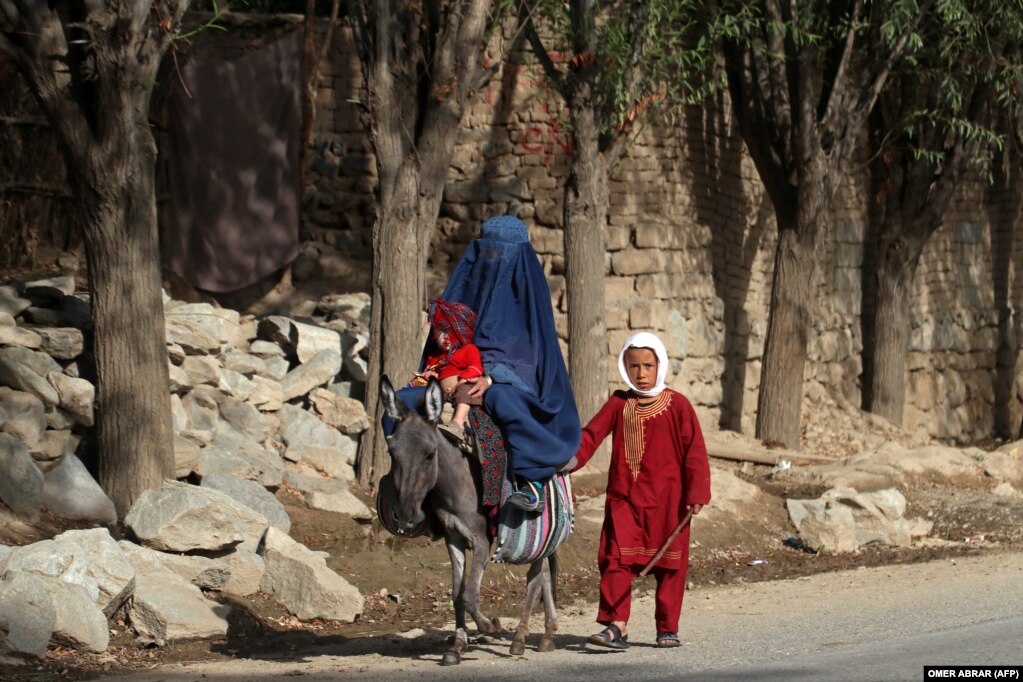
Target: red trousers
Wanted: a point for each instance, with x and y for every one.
(616, 593)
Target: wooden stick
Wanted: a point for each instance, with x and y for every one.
(743, 452)
(667, 543)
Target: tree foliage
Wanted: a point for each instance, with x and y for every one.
(806, 74)
(946, 102)
(635, 54)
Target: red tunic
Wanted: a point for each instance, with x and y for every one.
(658, 466)
(464, 363)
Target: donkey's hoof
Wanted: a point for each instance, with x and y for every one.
(546, 644)
(451, 658)
(517, 648)
(490, 628)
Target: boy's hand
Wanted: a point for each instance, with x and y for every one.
(695, 508)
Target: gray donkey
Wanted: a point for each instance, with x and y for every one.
(435, 481)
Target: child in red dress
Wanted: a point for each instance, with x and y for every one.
(659, 470)
(453, 327)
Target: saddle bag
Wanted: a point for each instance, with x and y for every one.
(526, 536)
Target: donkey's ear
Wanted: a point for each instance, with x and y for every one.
(393, 405)
(434, 402)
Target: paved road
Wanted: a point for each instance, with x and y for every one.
(875, 624)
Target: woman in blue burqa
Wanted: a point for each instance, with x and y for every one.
(525, 387)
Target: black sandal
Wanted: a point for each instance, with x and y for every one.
(668, 639)
(611, 637)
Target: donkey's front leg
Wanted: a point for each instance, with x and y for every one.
(480, 558)
(456, 552)
(453, 524)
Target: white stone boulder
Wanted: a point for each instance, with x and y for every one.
(182, 517)
(301, 581)
(88, 558)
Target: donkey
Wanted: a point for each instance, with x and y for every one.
(433, 478)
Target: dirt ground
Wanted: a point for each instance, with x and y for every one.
(406, 583)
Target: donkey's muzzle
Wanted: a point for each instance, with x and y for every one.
(387, 509)
(407, 525)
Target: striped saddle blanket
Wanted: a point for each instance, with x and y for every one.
(525, 536)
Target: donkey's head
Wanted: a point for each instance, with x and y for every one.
(414, 445)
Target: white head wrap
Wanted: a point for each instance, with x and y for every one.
(646, 340)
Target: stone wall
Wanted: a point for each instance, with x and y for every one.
(691, 248)
(691, 244)
(964, 346)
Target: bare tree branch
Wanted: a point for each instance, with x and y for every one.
(139, 13)
(778, 97)
(883, 64)
(474, 22)
(638, 26)
(381, 90)
(41, 54)
(742, 87)
(554, 76)
(314, 68)
(838, 82)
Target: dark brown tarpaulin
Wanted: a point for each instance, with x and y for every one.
(232, 162)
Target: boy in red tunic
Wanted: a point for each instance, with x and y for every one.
(659, 470)
(453, 327)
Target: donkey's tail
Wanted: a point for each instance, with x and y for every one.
(552, 562)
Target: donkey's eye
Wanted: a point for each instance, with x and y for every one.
(430, 455)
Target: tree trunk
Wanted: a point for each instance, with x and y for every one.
(96, 94)
(788, 330)
(414, 130)
(903, 237)
(410, 197)
(802, 226)
(914, 208)
(893, 275)
(399, 291)
(133, 415)
(1005, 221)
(401, 242)
(585, 214)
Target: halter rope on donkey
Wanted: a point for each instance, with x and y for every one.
(433, 486)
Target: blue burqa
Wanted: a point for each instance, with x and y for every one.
(501, 279)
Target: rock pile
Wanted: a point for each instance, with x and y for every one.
(257, 404)
(863, 504)
(842, 520)
(834, 427)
